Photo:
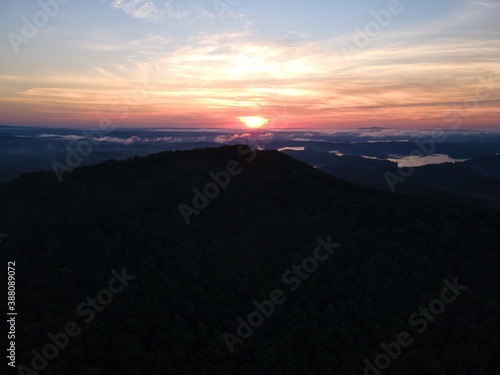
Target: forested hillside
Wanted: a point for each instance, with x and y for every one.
(189, 284)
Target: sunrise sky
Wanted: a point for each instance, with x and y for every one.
(206, 63)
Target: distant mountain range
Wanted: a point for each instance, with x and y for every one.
(363, 156)
(477, 179)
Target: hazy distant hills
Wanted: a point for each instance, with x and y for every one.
(486, 165)
(362, 156)
(477, 178)
(462, 149)
(192, 282)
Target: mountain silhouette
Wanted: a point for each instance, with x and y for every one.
(206, 240)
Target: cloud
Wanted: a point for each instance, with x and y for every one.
(226, 138)
(150, 10)
(67, 137)
(162, 10)
(409, 74)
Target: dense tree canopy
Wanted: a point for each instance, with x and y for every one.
(193, 281)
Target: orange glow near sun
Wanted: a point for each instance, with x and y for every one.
(254, 122)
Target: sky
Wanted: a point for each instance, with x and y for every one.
(206, 63)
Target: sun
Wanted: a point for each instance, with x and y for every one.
(254, 122)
